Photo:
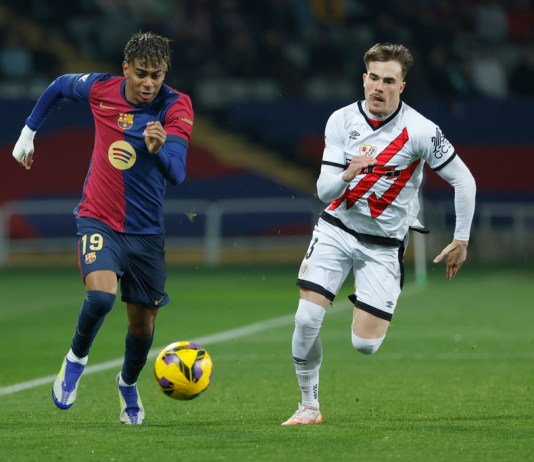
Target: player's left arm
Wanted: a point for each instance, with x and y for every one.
(170, 142)
(458, 175)
(171, 159)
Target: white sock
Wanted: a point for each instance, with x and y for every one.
(307, 350)
(366, 346)
(76, 359)
(122, 383)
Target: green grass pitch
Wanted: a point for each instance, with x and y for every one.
(454, 379)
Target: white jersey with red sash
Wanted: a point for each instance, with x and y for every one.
(377, 201)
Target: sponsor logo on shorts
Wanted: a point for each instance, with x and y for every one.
(157, 302)
(304, 269)
(90, 258)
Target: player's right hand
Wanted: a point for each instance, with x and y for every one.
(357, 164)
(23, 150)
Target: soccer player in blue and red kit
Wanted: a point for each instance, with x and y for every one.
(142, 133)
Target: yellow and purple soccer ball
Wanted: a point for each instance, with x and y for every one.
(183, 370)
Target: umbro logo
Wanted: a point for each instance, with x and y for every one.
(353, 134)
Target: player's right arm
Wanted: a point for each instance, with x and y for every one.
(335, 175)
(68, 86)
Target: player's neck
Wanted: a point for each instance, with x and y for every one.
(373, 117)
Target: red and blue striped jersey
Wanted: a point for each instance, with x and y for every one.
(125, 183)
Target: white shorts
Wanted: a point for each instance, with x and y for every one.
(378, 269)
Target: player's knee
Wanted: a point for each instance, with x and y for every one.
(366, 346)
(99, 303)
(309, 315)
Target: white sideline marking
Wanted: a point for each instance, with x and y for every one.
(206, 340)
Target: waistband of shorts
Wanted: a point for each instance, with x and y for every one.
(367, 238)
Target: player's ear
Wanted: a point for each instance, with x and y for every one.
(403, 86)
(125, 68)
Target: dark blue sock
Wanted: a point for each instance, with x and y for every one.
(92, 314)
(135, 357)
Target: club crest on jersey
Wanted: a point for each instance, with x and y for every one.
(367, 150)
(125, 121)
(90, 258)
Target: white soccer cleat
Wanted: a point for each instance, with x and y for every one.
(132, 410)
(305, 415)
(65, 386)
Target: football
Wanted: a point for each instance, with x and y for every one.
(183, 370)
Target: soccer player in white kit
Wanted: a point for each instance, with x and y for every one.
(372, 168)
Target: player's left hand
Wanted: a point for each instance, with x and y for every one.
(454, 254)
(155, 136)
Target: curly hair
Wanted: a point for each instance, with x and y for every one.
(389, 52)
(148, 49)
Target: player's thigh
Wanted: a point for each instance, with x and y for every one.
(103, 280)
(99, 255)
(368, 326)
(327, 261)
(143, 282)
(314, 297)
(378, 272)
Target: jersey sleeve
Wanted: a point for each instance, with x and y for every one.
(74, 87)
(330, 184)
(179, 120)
(432, 145)
(179, 125)
(334, 153)
(171, 162)
(83, 83)
(460, 178)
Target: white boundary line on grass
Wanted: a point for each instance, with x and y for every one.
(205, 340)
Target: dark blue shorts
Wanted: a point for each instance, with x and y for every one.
(137, 259)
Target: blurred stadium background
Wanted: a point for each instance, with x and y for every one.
(264, 77)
